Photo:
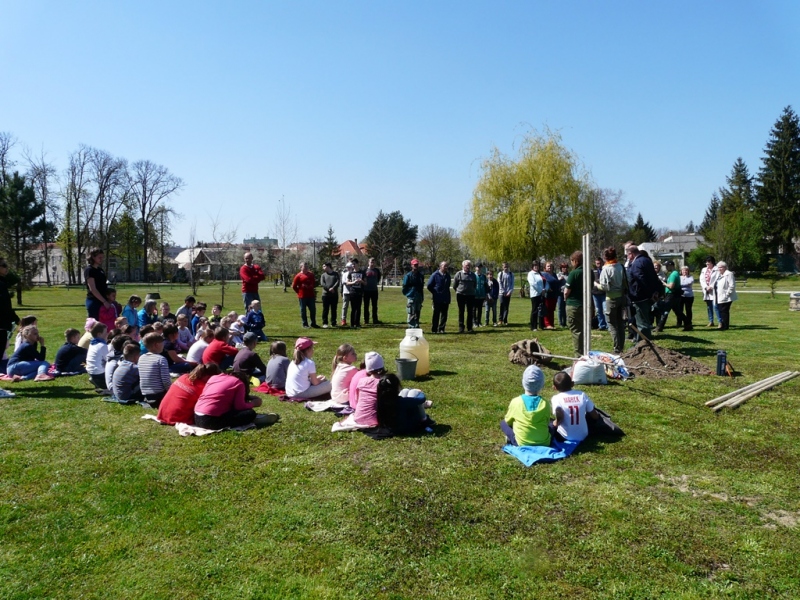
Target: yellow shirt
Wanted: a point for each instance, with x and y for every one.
(530, 426)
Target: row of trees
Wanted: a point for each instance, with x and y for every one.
(98, 200)
(752, 216)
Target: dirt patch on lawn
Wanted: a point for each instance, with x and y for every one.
(655, 362)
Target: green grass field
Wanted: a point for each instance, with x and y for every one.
(97, 503)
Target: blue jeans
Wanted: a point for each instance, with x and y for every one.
(711, 310)
(28, 369)
(248, 297)
(93, 306)
(308, 304)
(491, 305)
(599, 301)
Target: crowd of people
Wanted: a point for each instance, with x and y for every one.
(134, 352)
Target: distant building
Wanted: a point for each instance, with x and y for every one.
(255, 242)
(352, 249)
(674, 247)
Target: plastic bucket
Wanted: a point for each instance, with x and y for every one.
(406, 368)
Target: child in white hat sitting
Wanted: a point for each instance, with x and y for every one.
(528, 417)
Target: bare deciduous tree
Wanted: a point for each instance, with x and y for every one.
(7, 142)
(228, 253)
(150, 186)
(109, 176)
(42, 175)
(74, 191)
(285, 229)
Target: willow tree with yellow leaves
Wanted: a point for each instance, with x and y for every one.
(528, 206)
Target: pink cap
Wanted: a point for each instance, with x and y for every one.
(304, 343)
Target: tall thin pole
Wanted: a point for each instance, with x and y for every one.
(587, 295)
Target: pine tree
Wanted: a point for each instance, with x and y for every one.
(642, 231)
(739, 193)
(329, 251)
(22, 216)
(710, 218)
(778, 189)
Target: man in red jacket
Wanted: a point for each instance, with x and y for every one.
(251, 276)
(303, 285)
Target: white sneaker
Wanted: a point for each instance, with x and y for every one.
(324, 326)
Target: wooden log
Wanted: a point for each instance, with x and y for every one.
(765, 385)
(746, 388)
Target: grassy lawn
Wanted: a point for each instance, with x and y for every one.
(97, 503)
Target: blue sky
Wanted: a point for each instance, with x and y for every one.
(347, 108)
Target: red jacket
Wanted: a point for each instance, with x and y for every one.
(251, 276)
(303, 285)
(217, 350)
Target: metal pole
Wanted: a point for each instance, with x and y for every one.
(587, 296)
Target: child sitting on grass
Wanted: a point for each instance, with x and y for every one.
(277, 366)
(177, 364)
(114, 356)
(236, 328)
(28, 361)
(185, 337)
(366, 396)
(108, 315)
(195, 353)
(302, 380)
(154, 370)
(199, 313)
(225, 402)
(125, 383)
(131, 309)
(86, 338)
(343, 371)
(254, 321)
(247, 361)
(219, 351)
(571, 408)
(96, 357)
(216, 315)
(23, 323)
(528, 417)
(71, 358)
(401, 411)
(178, 405)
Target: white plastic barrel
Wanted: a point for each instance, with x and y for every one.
(414, 345)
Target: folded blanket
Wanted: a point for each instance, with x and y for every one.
(185, 430)
(529, 455)
(348, 424)
(323, 405)
(266, 388)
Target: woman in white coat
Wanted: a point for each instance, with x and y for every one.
(724, 294)
(708, 277)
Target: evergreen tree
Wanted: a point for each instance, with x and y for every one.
(392, 237)
(329, 250)
(710, 218)
(642, 231)
(690, 227)
(22, 216)
(739, 193)
(778, 189)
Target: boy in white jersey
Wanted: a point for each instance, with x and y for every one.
(571, 408)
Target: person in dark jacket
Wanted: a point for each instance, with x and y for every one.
(464, 284)
(71, 358)
(439, 287)
(8, 316)
(643, 286)
(413, 290)
(372, 278)
(330, 281)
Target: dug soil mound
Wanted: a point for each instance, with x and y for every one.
(655, 362)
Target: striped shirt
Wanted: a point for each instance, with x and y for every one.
(153, 374)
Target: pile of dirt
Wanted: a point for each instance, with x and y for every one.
(655, 362)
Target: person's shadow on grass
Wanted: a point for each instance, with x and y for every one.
(56, 392)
